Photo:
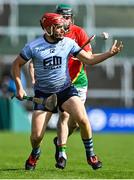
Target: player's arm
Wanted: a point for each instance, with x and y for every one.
(76, 59)
(92, 59)
(31, 71)
(16, 71)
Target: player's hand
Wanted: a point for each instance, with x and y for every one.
(116, 47)
(20, 94)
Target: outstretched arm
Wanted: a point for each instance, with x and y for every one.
(93, 59)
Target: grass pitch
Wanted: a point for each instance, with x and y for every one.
(115, 150)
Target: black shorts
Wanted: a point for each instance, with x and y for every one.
(61, 98)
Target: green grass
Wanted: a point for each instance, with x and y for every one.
(115, 150)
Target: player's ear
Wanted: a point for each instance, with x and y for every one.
(48, 29)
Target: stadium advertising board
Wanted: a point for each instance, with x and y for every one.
(111, 120)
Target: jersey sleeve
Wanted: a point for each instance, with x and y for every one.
(82, 38)
(26, 52)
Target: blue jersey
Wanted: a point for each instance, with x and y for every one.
(50, 63)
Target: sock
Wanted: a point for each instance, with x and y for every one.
(62, 151)
(36, 151)
(88, 143)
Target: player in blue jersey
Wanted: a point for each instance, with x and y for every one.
(50, 54)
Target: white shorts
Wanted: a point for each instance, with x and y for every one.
(82, 92)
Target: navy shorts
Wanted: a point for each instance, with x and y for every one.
(61, 98)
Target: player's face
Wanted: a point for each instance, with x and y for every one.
(59, 32)
(68, 19)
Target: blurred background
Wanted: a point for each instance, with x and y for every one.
(110, 98)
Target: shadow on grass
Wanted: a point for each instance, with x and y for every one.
(10, 169)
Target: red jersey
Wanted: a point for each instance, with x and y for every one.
(76, 68)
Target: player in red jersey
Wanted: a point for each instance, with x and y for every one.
(77, 70)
